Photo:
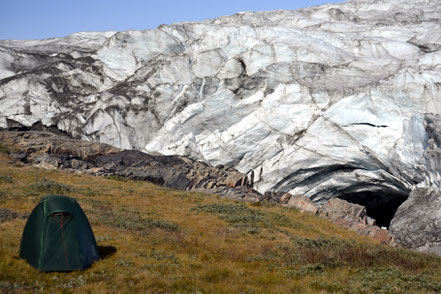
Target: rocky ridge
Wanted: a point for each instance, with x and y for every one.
(343, 213)
(51, 151)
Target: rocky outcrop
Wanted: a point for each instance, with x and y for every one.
(417, 222)
(354, 217)
(48, 150)
(345, 214)
(303, 204)
(37, 143)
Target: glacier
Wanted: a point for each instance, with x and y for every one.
(337, 100)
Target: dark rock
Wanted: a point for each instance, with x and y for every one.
(267, 196)
(20, 156)
(78, 164)
(124, 158)
(179, 182)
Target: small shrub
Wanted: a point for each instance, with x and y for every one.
(6, 179)
(330, 287)
(311, 269)
(163, 267)
(95, 203)
(7, 215)
(49, 186)
(153, 223)
(185, 284)
(281, 220)
(391, 279)
(116, 178)
(89, 192)
(327, 243)
(240, 216)
(3, 148)
(264, 204)
(123, 262)
(75, 282)
(268, 255)
(134, 222)
(215, 275)
(161, 255)
(245, 218)
(98, 276)
(333, 252)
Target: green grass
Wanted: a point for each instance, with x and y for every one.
(116, 178)
(157, 240)
(50, 187)
(381, 280)
(6, 179)
(3, 148)
(239, 215)
(133, 221)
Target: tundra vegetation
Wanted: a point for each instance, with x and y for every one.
(156, 240)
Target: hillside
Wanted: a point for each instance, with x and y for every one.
(157, 240)
(332, 101)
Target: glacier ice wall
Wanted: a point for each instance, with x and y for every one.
(327, 101)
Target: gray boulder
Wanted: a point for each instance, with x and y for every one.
(417, 222)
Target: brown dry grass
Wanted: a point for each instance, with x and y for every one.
(158, 240)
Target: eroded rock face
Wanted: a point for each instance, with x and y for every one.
(303, 204)
(340, 100)
(417, 222)
(345, 214)
(353, 217)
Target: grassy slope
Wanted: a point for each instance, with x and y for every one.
(160, 240)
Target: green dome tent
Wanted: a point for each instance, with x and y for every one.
(58, 237)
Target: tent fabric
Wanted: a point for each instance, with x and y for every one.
(58, 237)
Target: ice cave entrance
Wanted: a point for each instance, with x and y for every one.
(381, 204)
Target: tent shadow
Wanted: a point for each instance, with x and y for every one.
(106, 251)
